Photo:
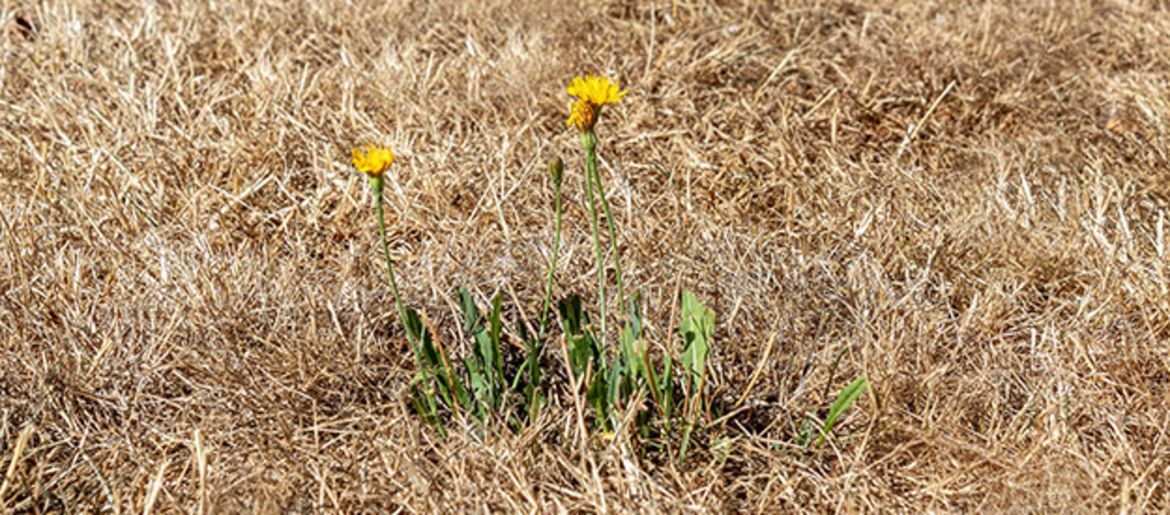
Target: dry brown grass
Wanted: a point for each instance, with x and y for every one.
(964, 202)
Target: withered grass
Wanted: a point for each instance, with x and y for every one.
(963, 202)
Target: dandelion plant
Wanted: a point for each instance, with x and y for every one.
(614, 380)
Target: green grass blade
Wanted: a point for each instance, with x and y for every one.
(493, 355)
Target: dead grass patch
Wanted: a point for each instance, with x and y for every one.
(965, 202)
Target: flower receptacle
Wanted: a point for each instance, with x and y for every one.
(588, 141)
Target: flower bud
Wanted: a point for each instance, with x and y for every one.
(556, 169)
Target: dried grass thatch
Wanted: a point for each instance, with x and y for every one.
(962, 201)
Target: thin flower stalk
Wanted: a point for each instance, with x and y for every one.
(428, 398)
(377, 187)
(532, 361)
(589, 143)
(374, 161)
(556, 171)
(591, 169)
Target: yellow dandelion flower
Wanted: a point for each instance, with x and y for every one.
(598, 91)
(592, 93)
(582, 114)
(374, 161)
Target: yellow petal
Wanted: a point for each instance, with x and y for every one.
(577, 87)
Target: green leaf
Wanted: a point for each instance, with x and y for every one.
(429, 360)
(582, 348)
(480, 387)
(686, 440)
(666, 389)
(586, 356)
(597, 397)
(485, 365)
(633, 356)
(697, 326)
(494, 357)
(848, 395)
(470, 311)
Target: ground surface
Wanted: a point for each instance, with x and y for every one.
(963, 202)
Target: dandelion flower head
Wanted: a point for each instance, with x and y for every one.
(374, 160)
(592, 92)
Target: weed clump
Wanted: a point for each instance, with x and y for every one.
(613, 377)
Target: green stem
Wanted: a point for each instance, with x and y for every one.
(532, 362)
(552, 268)
(427, 395)
(589, 143)
(376, 183)
(617, 265)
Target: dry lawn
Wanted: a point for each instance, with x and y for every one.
(962, 201)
